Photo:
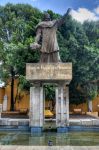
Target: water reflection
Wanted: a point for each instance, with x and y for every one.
(70, 138)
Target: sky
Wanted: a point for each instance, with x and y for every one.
(81, 9)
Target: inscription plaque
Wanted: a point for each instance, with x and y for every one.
(51, 71)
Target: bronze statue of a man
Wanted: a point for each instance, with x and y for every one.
(46, 39)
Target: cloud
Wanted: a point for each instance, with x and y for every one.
(83, 14)
(97, 10)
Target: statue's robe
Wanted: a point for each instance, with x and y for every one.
(46, 34)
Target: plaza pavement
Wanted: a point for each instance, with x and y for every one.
(10, 147)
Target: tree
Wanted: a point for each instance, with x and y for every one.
(75, 48)
(18, 25)
(92, 32)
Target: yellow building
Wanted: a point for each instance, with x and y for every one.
(22, 100)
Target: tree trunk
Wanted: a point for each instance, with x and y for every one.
(12, 89)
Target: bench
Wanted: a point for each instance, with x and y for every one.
(23, 111)
(77, 111)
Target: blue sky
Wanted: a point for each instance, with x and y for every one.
(58, 6)
(81, 8)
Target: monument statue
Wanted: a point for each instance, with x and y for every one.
(46, 39)
(50, 69)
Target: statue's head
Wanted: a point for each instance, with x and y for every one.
(47, 17)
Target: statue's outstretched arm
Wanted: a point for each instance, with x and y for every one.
(59, 22)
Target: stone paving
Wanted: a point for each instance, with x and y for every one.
(49, 148)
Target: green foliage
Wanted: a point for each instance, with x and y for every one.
(92, 32)
(53, 15)
(90, 91)
(49, 92)
(76, 96)
(23, 83)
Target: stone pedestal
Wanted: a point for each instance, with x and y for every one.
(62, 108)
(36, 109)
(59, 74)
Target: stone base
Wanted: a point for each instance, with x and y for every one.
(36, 129)
(62, 129)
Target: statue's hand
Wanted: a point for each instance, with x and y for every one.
(35, 46)
(68, 11)
(59, 22)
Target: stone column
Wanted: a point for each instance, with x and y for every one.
(5, 102)
(36, 109)
(0, 110)
(62, 109)
(67, 105)
(90, 105)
